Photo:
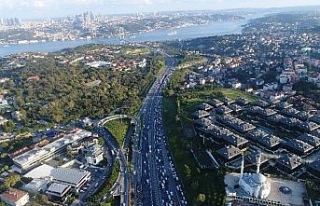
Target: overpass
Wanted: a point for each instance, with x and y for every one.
(123, 178)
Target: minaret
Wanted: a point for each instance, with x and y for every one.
(242, 166)
(258, 163)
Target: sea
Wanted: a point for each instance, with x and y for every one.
(183, 33)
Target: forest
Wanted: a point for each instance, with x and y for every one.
(62, 94)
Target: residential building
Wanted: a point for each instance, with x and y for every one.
(14, 197)
(205, 106)
(289, 162)
(310, 139)
(201, 114)
(307, 126)
(235, 140)
(223, 110)
(314, 167)
(229, 152)
(242, 101)
(216, 103)
(298, 147)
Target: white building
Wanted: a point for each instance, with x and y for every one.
(37, 185)
(14, 197)
(35, 156)
(93, 154)
(255, 184)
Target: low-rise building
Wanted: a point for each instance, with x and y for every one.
(14, 197)
(216, 103)
(289, 162)
(93, 154)
(201, 114)
(33, 158)
(314, 167)
(290, 112)
(58, 192)
(310, 139)
(298, 147)
(37, 185)
(315, 118)
(223, 110)
(265, 139)
(205, 106)
(261, 103)
(235, 123)
(307, 126)
(229, 152)
(235, 107)
(73, 177)
(242, 101)
(275, 119)
(235, 140)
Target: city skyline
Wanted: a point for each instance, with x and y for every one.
(57, 8)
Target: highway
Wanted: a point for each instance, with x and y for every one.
(154, 177)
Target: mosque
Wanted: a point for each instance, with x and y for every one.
(254, 184)
(258, 189)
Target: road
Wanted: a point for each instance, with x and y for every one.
(154, 179)
(123, 179)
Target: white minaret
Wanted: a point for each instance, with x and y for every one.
(258, 163)
(242, 166)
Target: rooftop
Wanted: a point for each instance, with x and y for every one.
(235, 140)
(269, 140)
(253, 157)
(216, 102)
(229, 152)
(310, 139)
(40, 172)
(315, 165)
(35, 153)
(13, 194)
(299, 145)
(67, 175)
(297, 189)
(36, 184)
(290, 161)
(58, 188)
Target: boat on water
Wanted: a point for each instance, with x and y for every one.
(172, 33)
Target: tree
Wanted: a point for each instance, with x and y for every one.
(11, 180)
(8, 126)
(201, 198)
(187, 170)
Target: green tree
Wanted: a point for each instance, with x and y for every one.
(187, 170)
(11, 180)
(201, 198)
(8, 126)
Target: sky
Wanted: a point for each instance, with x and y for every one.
(59, 8)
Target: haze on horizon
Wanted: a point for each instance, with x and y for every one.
(58, 8)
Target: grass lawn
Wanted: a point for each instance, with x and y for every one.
(233, 94)
(118, 129)
(195, 181)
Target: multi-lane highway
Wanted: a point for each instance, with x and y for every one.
(154, 175)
